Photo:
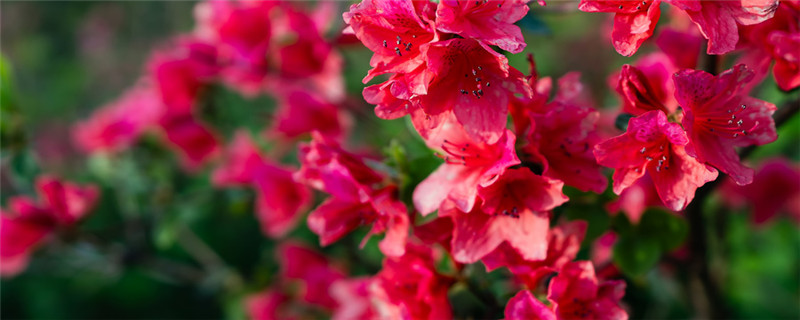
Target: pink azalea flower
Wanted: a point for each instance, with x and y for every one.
(634, 21)
(119, 124)
(337, 217)
(719, 117)
(353, 299)
(519, 188)
(301, 289)
(577, 294)
(391, 98)
(327, 167)
(787, 59)
(603, 248)
(468, 164)
(475, 82)
(775, 189)
(279, 199)
(408, 287)
(27, 224)
(654, 146)
(302, 111)
(477, 233)
(719, 21)
(192, 139)
(313, 270)
(524, 306)
(561, 134)
(182, 71)
(354, 201)
(682, 47)
(759, 51)
(635, 199)
(268, 305)
(241, 30)
(395, 31)
(563, 244)
(647, 85)
(488, 21)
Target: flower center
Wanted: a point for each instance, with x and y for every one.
(727, 123)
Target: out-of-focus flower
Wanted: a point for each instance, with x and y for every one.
(775, 188)
(355, 200)
(524, 306)
(28, 223)
(119, 124)
(576, 293)
(279, 199)
(408, 287)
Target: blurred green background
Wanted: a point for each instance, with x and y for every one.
(135, 257)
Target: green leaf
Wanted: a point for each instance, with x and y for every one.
(667, 229)
(636, 255)
(622, 121)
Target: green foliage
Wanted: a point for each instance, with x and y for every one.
(640, 247)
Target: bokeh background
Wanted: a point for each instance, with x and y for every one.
(61, 60)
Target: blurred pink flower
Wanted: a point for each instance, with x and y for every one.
(28, 223)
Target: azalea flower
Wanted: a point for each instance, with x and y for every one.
(279, 199)
(654, 146)
(27, 223)
(488, 21)
(576, 293)
(719, 116)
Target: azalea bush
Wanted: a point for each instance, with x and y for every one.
(398, 159)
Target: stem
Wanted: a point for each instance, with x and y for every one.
(713, 305)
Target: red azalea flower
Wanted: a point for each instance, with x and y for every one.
(191, 138)
(719, 117)
(682, 47)
(353, 299)
(408, 287)
(337, 217)
(28, 223)
(280, 200)
(118, 124)
(473, 81)
(312, 270)
(327, 167)
(760, 50)
(302, 111)
(719, 21)
(775, 188)
(634, 21)
(392, 98)
(657, 147)
(467, 165)
(267, 305)
(787, 59)
(647, 85)
(518, 188)
(395, 31)
(636, 198)
(524, 306)
(488, 21)
(563, 244)
(477, 233)
(241, 30)
(561, 134)
(182, 71)
(577, 294)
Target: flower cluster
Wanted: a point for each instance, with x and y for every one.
(511, 147)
